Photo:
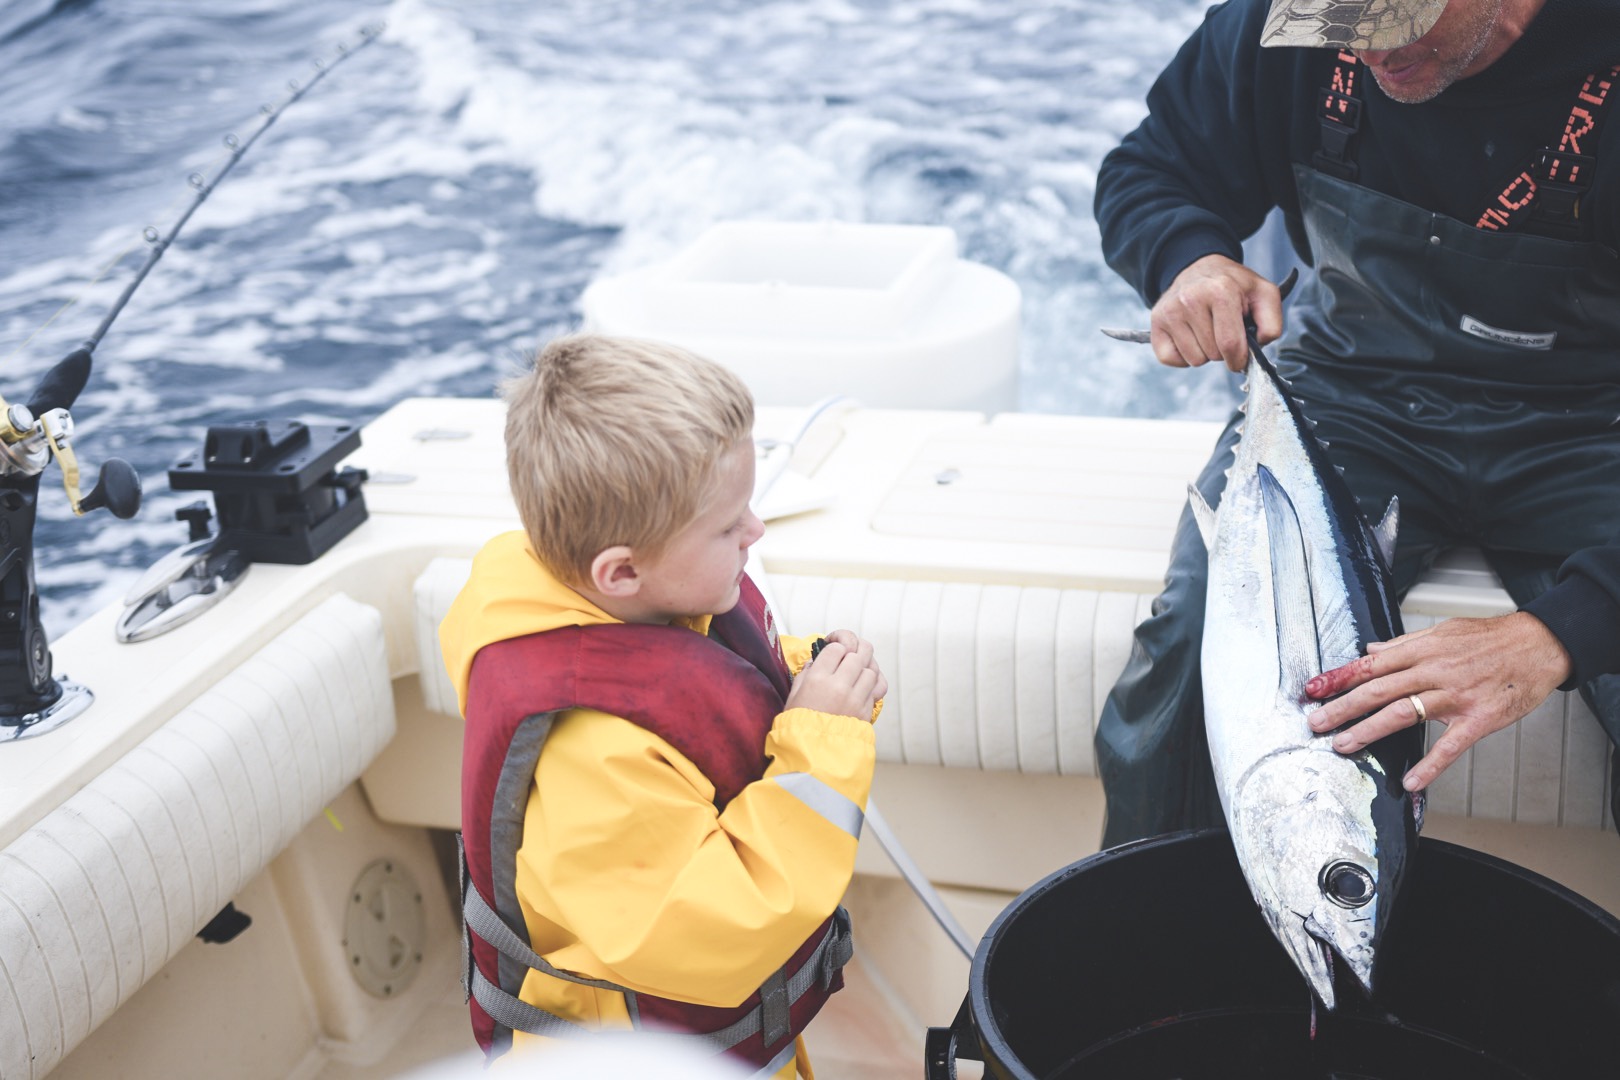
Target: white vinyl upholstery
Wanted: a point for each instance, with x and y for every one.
(435, 589)
(110, 885)
(1013, 678)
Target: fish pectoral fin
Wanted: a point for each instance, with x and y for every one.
(1203, 515)
(1299, 649)
(1384, 531)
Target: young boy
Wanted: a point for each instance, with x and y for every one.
(660, 797)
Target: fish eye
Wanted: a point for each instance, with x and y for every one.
(1346, 884)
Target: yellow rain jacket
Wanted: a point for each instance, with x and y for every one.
(626, 871)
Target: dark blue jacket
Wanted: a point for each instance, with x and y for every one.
(1227, 121)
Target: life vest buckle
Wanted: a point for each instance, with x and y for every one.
(838, 951)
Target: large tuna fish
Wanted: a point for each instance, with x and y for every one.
(1299, 583)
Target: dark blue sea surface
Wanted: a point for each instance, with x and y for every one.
(435, 207)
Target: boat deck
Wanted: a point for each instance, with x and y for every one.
(993, 559)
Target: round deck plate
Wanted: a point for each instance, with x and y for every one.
(382, 928)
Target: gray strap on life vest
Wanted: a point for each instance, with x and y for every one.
(504, 1008)
(836, 950)
(466, 935)
(772, 1016)
(775, 1010)
(519, 1015)
(819, 968)
(483, 921)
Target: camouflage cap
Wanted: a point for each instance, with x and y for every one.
(1349, 24)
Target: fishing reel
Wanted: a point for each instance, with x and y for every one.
(27, 445)
(32, 700)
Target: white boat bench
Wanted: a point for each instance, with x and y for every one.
(1013, 678)
(109, 886)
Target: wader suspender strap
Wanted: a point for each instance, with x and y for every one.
(771, 1016)
(1550, 189)
(1338, 111)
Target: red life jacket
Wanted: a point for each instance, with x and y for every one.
(714, 699)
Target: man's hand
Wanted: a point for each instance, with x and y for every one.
(1475, 676)
(1200, 316)
(842, 679)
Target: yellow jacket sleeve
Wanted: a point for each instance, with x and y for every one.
(636, 878)
(795, 652)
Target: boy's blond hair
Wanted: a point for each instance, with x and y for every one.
(614, 440)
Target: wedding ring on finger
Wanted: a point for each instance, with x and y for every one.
(1417, 707)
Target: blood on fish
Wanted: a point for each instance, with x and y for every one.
(1330, 683)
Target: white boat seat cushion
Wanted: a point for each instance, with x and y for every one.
(436, 590)
(1008, 677)
(110, 885)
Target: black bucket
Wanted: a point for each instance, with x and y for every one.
(1152, 961)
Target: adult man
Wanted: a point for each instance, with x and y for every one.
(1458, 342)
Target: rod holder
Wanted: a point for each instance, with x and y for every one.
(278, 493)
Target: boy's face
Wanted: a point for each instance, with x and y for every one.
(700, 572)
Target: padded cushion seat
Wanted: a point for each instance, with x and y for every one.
(109, 886)
(1013, 678)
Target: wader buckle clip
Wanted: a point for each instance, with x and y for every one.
(1561, 179)
(1340, 118)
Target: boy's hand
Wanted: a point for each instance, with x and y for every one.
(842, 679)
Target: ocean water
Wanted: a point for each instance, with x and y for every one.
(435, 207)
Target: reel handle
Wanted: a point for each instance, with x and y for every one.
(118, 488)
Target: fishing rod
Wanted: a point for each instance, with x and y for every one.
(204, 187)
(28, 440)
(33, 435)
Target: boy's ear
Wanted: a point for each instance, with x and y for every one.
(613, 573)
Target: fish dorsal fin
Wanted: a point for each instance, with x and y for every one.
(1299, 651)
(1384, 531)
(1203, 515)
